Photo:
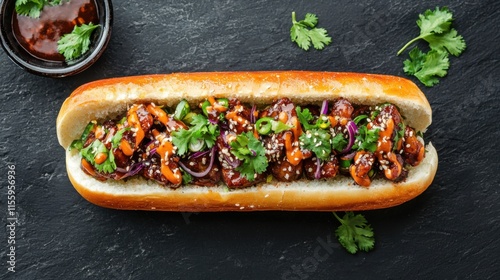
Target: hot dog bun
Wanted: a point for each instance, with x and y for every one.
(110, 97)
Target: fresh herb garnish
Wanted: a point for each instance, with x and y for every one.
(202, 129)
(305, 33)
(317, 141)
(305, 117)
(399, 134)
(96, 148)
(339, 143)
(78, 143)
(366, 139)
(252, 154)
(33, 8)
(76, 43)
(435, 29)
(186, 177)
(427, 67)
(115, 141)
(354, 233)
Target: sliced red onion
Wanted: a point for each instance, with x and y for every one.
(352, 129)
(252, 116)
(200, 174)
(199, 154)
(212, 121)
(324, 108)
(317, 174)
(349, 155)
(152, 151)
(134, 170)
(234, 163)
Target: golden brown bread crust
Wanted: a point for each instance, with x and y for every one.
(105, 98)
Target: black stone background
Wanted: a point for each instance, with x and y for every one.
(449, 232)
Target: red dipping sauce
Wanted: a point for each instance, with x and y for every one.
(39, 36)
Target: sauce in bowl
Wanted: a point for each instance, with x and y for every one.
(39, 36)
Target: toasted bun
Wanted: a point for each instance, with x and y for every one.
(108, 98)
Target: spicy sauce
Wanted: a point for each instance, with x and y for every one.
(39, 36)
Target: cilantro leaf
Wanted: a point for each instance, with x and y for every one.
(201, 129)
(450, 41)
(305, 117)
(78, 143)
(339, 142)
(77, 42)
(354, 233)
(366, 139)
(252, 154)
(31, 8)
(304, 33)
(435, 65)
(431, 23)
(317, 141)
(435, 28)
(414, 64)
(115, 141)
(97, 147)
(437, 21)
(399, 134)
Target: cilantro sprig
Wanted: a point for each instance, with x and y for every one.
(317, 141)
(33, 8)
(249, 150)
(435, 29)
(305, 117)
(97, 147)
(76, 43)
(201, 129)
(305, 33)
(354, 233)
(366, 139)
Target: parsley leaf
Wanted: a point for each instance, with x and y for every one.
(354, 233)
(317, 141)
(427, 67)
(305, 33)
(366, 139)
(77, 42)
(252, 153)
(201, 129)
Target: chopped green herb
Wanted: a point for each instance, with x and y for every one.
(305, 33)
(76, 43)
(354, 233)
(252, 153)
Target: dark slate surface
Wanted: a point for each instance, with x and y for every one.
(449, 232)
